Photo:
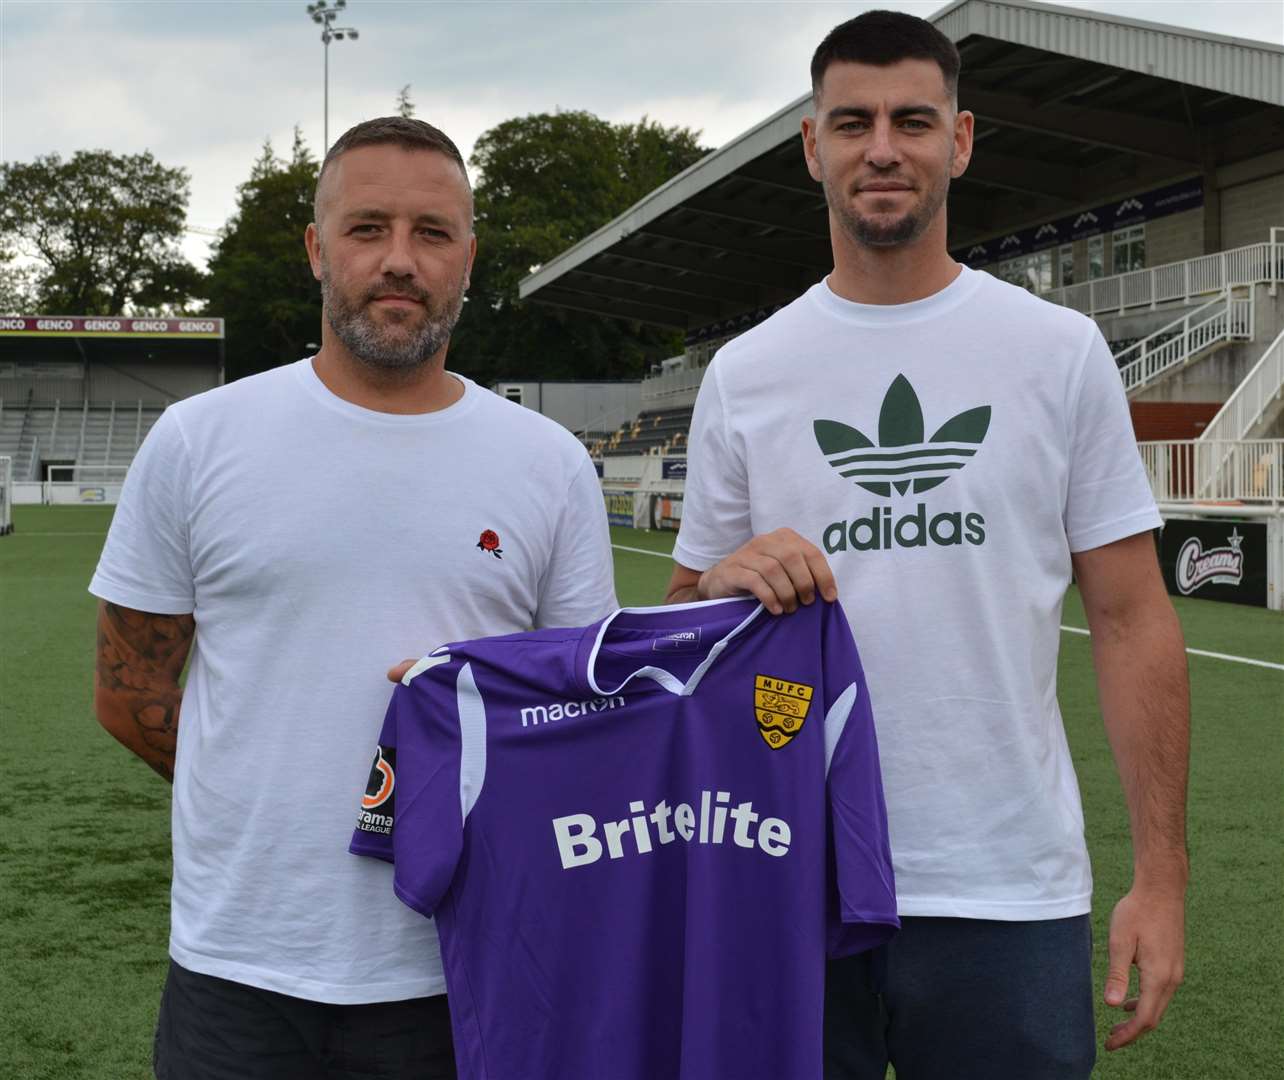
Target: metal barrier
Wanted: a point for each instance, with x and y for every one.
(670, 384)
(1248, 404)
(1225, 318)
(1186, 281)
(1215, 471)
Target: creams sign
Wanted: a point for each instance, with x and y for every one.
(1215, 560)
(1220, 566)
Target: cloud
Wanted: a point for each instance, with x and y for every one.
(201, 85)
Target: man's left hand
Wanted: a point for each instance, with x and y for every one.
(1147, 929)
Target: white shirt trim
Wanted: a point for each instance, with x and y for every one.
(665, 678)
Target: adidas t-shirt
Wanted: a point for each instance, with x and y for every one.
(947, 455)
(622, 833)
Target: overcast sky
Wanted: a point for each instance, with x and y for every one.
(202, 84)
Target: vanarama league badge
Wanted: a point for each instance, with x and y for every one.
(781, 709)
(377, 804)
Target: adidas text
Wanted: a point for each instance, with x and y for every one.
(578, 844)
(879, 532)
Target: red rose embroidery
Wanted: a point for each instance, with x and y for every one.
(489, 541)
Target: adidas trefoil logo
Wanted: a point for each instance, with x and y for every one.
(902, 458)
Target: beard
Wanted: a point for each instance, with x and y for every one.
(883, 232)
(395, 345)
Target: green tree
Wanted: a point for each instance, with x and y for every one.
(405, 107)
(544, 182)
(102, 231)
(259, 280)
(17, 294)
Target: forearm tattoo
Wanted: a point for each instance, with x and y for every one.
(140, 659)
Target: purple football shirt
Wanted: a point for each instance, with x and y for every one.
(639, 839)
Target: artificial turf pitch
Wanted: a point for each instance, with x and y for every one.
(84, 852)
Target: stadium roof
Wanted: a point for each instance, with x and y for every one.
(1072, 107)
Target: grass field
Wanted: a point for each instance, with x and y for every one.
(84, 873)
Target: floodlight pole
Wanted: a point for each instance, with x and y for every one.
(324, 14)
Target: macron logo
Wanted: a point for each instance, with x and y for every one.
(535, 715)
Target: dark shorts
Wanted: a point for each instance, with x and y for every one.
(965, 999)
(213, 1029)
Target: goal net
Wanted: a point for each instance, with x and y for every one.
(80, 484)
(6, 495)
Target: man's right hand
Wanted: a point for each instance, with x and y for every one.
(398, 671)
(780, 568)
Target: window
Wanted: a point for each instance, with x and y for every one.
(1065, 261)
(1033, 272)
(1129, 248)
(1096, 257)
(513, 393)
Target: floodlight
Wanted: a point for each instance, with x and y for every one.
(324, 15)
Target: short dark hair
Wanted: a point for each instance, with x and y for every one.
(883, 38)
(403, 131)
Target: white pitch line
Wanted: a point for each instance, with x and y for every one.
(644, 551)
(1202, 652)
(21, 534)
(1067, 629)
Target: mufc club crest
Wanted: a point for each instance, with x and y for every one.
(781, 709)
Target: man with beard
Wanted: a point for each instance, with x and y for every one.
(295, 530)
(940, 450)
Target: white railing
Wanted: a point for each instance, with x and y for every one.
(1246, 406)
(606, 421)
(1226, 318)
(84, 424)
(1256, 264)
(1193, 470)
(111, 430)
(671, 384)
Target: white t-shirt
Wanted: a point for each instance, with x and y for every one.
(316, 543)
(948, 455)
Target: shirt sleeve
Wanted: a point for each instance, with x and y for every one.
(716, 518)
(411, 813)
(861, 855)
(578, 587)
(1108, 496)
(146, 562)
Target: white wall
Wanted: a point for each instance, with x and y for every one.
(1249, 211)
(580, 406)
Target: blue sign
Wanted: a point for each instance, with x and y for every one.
(673, 469)
(1173, 199)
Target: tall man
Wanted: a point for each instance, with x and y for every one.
(941, 450)
(300, 527)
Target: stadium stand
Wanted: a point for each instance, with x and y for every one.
(104, 435)
(79, 394)
(655, 431)
(1169, 235)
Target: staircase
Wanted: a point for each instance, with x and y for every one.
(1256, 401)
(1225, 319)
